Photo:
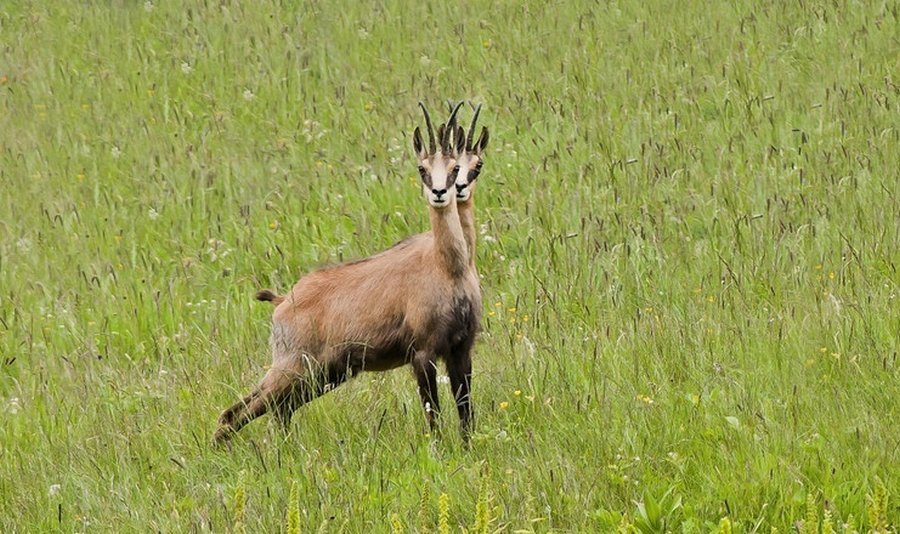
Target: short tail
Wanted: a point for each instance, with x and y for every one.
(267, 296)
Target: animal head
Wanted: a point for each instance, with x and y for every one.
(437, 168)
(469, 155)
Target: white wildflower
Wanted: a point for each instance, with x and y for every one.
(483, 230)
(54, 489)
(186, 67)
(153, 214)
(148, 6)
(115, 152)
(248, 95)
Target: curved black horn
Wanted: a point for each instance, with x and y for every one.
(452, 120)
(447, 137)
(471, 136)
(432, 148)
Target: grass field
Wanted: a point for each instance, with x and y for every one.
(690, 242)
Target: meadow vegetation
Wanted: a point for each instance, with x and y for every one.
(689, 243)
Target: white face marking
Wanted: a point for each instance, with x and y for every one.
(466, 162)
(438, 194)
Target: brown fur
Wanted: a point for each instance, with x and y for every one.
(414, 303)
(467, 223)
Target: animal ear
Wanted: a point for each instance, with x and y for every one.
(460, 139)
(418, 145)
(482, 141)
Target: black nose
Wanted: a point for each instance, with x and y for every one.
(439, 192)
(461, 187)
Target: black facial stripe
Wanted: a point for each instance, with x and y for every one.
(475, 171)
(426, 178)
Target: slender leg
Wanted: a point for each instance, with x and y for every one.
(425, 368)
(274, 390)
(459, 367)
(285, 410)
(229, 414)
(308, 388)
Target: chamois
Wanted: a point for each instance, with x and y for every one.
(413, 303)
(469, 159)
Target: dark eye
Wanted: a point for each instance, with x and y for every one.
(421, 170)
(475, 172)
(456, 170)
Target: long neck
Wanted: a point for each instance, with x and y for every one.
(449, 241)
(467, 222)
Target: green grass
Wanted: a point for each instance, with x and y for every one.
(690, 252)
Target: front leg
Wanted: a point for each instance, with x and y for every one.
(425, 368)
(459, 367)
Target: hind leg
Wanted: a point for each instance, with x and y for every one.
(229, 414)
(275, 389)
(314, 383)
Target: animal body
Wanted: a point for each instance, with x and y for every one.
(415, 303)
